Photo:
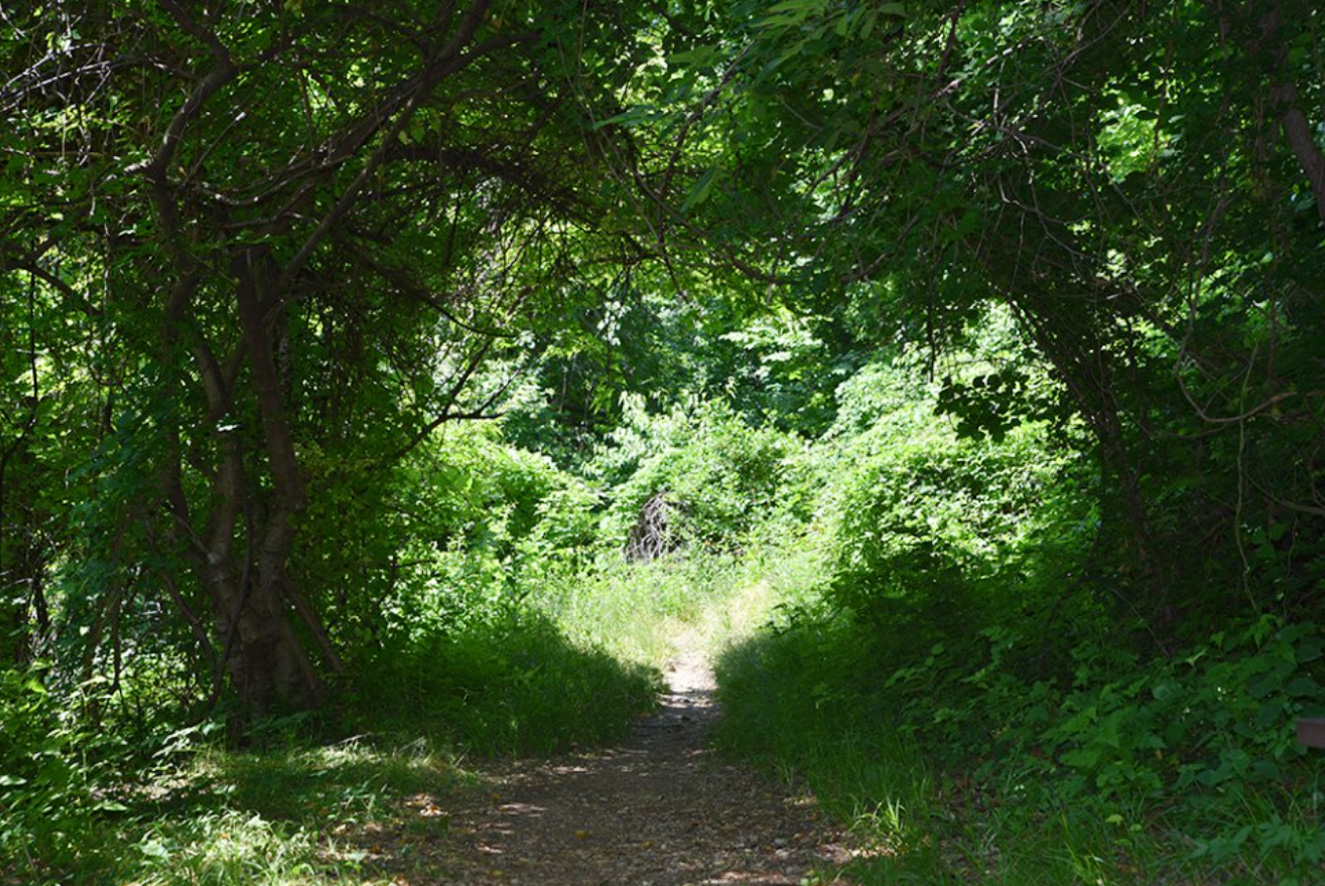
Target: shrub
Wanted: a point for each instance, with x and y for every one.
(47, 785)
(932, 530)
(722, 477)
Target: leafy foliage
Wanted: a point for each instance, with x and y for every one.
(965, 659)
(340, 346)
(48, 780)
(723, 477)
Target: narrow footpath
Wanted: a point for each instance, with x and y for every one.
(660, 810)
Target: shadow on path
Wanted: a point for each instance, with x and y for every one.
(659, 810)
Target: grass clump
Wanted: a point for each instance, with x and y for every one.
(517, 685)
(300, 816)
(296, 815)
(224, 848)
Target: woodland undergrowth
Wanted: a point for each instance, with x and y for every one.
(914, 620)
(959, 684)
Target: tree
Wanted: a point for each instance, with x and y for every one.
(304, 226)
(1137, 183)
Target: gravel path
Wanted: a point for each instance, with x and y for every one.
(660, 810)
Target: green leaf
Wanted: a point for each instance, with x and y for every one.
(799, 8)
(871, 19)
(1301, 687)
(699, 193)
(699, 57)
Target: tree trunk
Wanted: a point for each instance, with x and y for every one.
(243, 552)
(1270, 46)
(267, 663)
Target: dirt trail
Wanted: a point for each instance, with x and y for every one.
(660, 810)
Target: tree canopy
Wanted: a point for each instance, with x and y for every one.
(256, 256)
(336, 334)
(284, 238)
(255, 252)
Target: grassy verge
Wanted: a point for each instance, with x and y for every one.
(354, 812)
(347, 813)
(302, 807)
(1177, 773)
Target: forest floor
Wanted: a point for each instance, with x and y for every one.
(659, 810)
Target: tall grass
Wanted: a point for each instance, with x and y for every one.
(519, 684)
(638, 611)
(981, 780)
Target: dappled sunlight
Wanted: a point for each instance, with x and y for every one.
(681, 443)
(660, 808)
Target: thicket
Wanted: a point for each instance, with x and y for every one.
(341, 346)
(967, 681)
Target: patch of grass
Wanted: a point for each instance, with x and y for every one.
(1007, 787)
(227, 848)
(636, 611)
(782, 712)
(517, 686)
(353, 812)
(346, 781)
(299, 817)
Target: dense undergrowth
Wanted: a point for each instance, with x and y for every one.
(919, 618)
(958, 767)
(963, 684)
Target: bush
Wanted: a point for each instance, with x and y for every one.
(722, 477)
(457, 533)
(47, 784)
(936, 533)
